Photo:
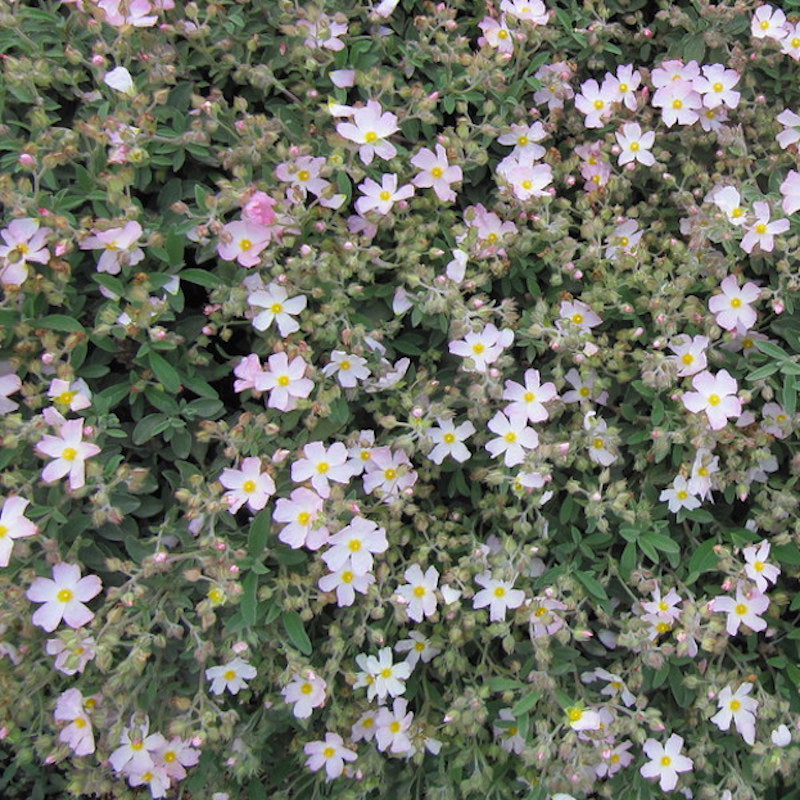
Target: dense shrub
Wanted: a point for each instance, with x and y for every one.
(399, 399)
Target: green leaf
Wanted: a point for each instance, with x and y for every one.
(526, 703)
(627, 561)
(149, 426)
(165, 372)
(649, 550)
(694, 48)
(786, 554)
(592, 585)
(250, 599)
(60, 322)
(699, 515)
(498, 684)
(660, 542)
(704, 559)
(763, 372)
(201, 277)
(789, 395)
(296, 632)
(772, 350)
(257, 538)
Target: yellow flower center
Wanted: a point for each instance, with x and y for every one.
(682, 494)
(596, 179)
(635, 147)
(540, 612)
(663, 627)
(529, 397)
(390, 474)
(662, 606)
(147, 777)
(345, 365)
(306, 688)
(3, 531)
(758, 566)
(419, 646)
(623, 87)
(737, 212)
(736, 302)
(216, 596)
(328, 752)
(65, 398)
(276, 308)
(714, 400)
(478, 348)
(65, 595)
(384, 195)
(284, 380)
(527, 184)
(702, 472)
(304, 517)
(303, 175)
(522, 141)
(597, 444)
(23, 248)
(747, 343)
(395, 726)
(109, 246)
(665, 761)
(718, 87)
(370, 137)
(137, 746)
(735, 705)
(347, 576)
(761, 228)
(598, 104)
(687, 358)
(249, 486)
(368, 722)
(170, 756)
(795, 42)
(502, 34)
(90, 702)
(624, 240)
(513, 730)
(614, 758)
(323, 467)
(676, 103)
(741, 609)
(574, 714)
(354, 545)
(584, 391)
(229, 675)
(449, 438)
(419, 591)
(245, 245)
(577, 318)
(365, 455)
(764, 24)
(386, 673)
(437, 172)
(499, 591)
(510, 437)
(80, 722)
(69, 454)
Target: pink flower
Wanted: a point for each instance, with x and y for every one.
(330, 754)
(321, 28)
(9, 384)
(391, 728)
(248, 485)
(790, 189)
(64, 597)
(174, 755)
(277, 307)
(623, 85)
(555, 85)
(24, 241)
(578, 314)
(285, 381)
(543, 621)
(482, 347)
(381, 197)
(321, 465)
(13, 525)
(134, 755)
(690, 354)
(299, 513)
(420, 592)
(528, 179)
(762, 233)
(533, 11)
(71, 707)
(304, 176)
(679, 102)
(260, 209)
(529, 400)
(791, 129)
(357, 542)
(769, 23)
(72, 652)
(120, 247)
(717, 86)
(243, 242)
(679, 495)
(744, 610)
(738, 708)
(346, 582)
(348, 368)
(437, 173)
(369, 128)
(624, 238)
(69, 451)
(305, 692)
(388, 473)
(732, 307)
(716, 395)
(514, 437)
(596, 102)
(246, 372)
(524, 138)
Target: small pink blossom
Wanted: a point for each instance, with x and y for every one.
(24, 241)
(744, 610)
(380, 197)
(369, 129)
(716, 396)
(70, 453)
(437, 173)
(243, 242)
(732, 307)
(64, 597)
(247, 485)
(756, 567)
(120, 247)
(762, 232)
(496, 34)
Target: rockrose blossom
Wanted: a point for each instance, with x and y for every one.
(63, 597)
(70, 453)
(716, 396)
(666, 762)
(790, 190)
(514, 437)
(369, 128)
(732, 307)
(285, 381)
(529, 400)
(533, 11)
(757, 568)
(762, 232)
(72, 708)
(524, 139)
(304, 693)
(321, 465)
(448, 440)
(498, 595)
(348, 368)
(380, 197)
(791, 130)
(635, 145)
(483, 347)
(247, 485)
(13, 525)
(745, 609)
(496, 34)
(278, 308)
(437, 173)
(419, 593)
(232, 676)
(323, 32)
(120, 247)
(768, 23)
(243, 242)
(738, 708)
(24, 241)
(330, 754)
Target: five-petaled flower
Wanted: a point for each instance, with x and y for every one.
(498, 595)
(64, 597)
(666, 762)
(716, 395)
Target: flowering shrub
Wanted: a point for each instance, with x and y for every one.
(399, 398)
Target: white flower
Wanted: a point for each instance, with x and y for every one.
(13, 525)
(690, 354)
(529, 400)
(509, 736)
(420, 592)
(665, 762)
(278, 308)
(598, 449)
(739, 708)
(381, 196)
(388, 473)
(635, 145)
(514, 438)
(762, 232)
(300, 512)
(232, 676)
(498, 595)
(383, 677)
(346, 582)
(483, 347)
(64, 597)
(704, 466)
(120, 79)
(348, 368)
(356, 542)
(582, 719)
(248, 485)
(417, 647)
(285, 381)
(321, 465)
(756, 568)
(768, 22)
(331, 754)
(449, 441)
(781, 736)
(134, 755)
(728, 200)
(578, 314)
(679, 495)
(391, 728)
(306, 692)
(745, 609)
